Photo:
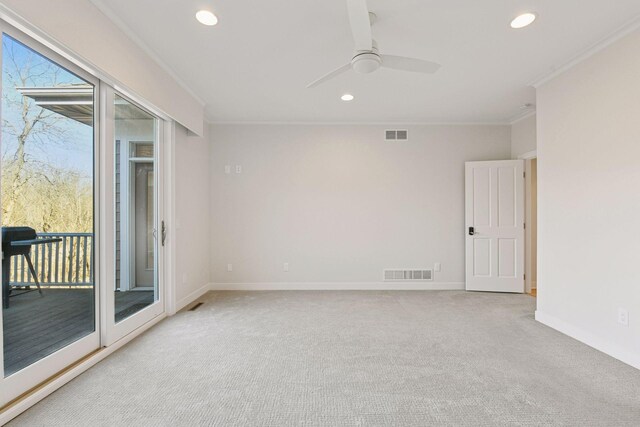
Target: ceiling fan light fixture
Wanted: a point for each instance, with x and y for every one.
(206, 17)
(366, 63)
(347, 97)
(523, 20)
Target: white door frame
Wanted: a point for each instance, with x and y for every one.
(528, 261)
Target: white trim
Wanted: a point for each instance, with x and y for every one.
(528, 220)
(589, 339)
(627, 28)
(169, 217)
(521, 116)
(183, 302)
(528, 155)
(330, 123)
(107, 189)
(106, 10)
(338, 286)
(22, 405)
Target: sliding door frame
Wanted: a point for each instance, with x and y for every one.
(26, 379)
(113, 331)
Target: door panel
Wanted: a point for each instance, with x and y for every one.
(482, 196)
(482, 257)
(494, 193)
(133, 151)
(506, 197)
(49, 275)
(507, 258)
(136, 132)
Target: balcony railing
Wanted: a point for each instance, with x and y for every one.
(68, 263)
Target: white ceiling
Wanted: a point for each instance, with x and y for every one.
(254, 65)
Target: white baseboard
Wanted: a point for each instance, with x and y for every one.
(338, 286)
(589, 339)
(182, 303)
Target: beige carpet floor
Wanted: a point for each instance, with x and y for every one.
(348, 359)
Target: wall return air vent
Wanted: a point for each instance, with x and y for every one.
(408, 275)
(396, 135)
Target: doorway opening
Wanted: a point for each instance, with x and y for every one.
(531, 226)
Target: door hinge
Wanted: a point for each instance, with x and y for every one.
(524, 276)
(524, 225)
(163, 233)
(524, 174)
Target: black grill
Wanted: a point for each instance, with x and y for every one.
(18, 241)
(17, 234)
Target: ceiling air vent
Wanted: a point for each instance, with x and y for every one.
(408, 275)
(396, 135)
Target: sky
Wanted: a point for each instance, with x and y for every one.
(74, 150)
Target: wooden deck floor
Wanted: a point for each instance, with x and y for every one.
(35, 326)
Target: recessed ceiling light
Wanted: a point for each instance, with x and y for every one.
(206, 17)
(523, 20)
(347, 97)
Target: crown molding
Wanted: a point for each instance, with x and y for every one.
(627, 28)
(109, 13)
(521, 116)
(329, 123)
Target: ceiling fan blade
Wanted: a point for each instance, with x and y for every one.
(360, 24)
(409, 64)
(330, 75)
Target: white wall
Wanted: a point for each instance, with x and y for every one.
(192, 215)
(79, 27)
(589, 200)
(523, 136)
(339, 204)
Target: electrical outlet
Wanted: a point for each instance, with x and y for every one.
(229, 267)
(227, 169)
(437, 266)
(623, 316)
(285, 266)
(238, 168)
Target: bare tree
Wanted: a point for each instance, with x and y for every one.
(33, 190)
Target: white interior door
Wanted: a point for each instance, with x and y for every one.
(494, 218)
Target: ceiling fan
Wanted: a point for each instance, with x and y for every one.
(367, 59)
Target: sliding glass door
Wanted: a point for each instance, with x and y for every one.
(133, 151)
(81, 197)
(49, 298)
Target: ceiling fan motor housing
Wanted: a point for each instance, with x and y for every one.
(366, 62)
